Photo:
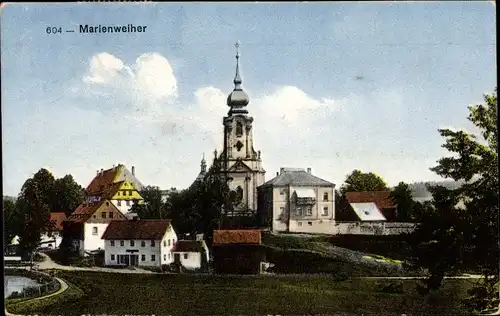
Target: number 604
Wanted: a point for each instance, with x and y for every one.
(53, 30)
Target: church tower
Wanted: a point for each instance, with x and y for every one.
(239, 161)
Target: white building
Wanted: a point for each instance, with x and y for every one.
(297, 201)
(191, 254)
(139, 243)
(52, 236)
(89, 221)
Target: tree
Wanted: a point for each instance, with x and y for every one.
(34, 205)
(13, 221)
(358, 181)
(67, 195)
(402, 197)
(465, 237)
(153, 206)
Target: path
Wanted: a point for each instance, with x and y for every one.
(49, 264)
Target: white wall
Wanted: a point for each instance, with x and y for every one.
(161, 250)
(193, 260)
(52, 242)
(349, 228)
(123, 207)
(93, 242)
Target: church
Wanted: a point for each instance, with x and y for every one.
(238, 162)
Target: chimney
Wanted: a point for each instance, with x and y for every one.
(282, 170)
(308, 170)
(133, 171)
(277, 173)
(97, 172)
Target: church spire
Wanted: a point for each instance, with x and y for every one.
(238, 99)
(237, 79)
(203, 164)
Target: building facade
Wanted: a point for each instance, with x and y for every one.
(52, 236)
(297, 201)
(139, 243)
(191, 254)
(239, 162)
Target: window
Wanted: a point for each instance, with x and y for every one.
(103, 214)
(94, 231)
(119, 203)
(239, 129)
(153, 257)
(128, 203)
(118, 193)
(152, 243)
(113, 257)
(310, 223)
(122, 243)
(282, 192)
(129, 192)
(164, 243)
(168, 256)
(94, 216)
(325, 211)
(107, 203)
(164, 257)
(132, 243)
(169, 242)
(185, 256)
(112, 242)
(282, 209)
(143, 243)
(110, 214)
(299, 223)
(143, 257)
(325, 196)
(309, 211)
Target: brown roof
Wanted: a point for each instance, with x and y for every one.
(57, 218)
(243, 236)
(103, 181)
(188, 246)
(137, 229)
(84, 211)
(380, 198)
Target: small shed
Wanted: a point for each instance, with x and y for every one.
(237, 251)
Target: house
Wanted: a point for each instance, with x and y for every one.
(191, 254)
(139, 243)
(372, 206)
(52, 236)
(88, 222)
(297, 201)
(237, 251)
(118, 185)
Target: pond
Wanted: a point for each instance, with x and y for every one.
(16, 284)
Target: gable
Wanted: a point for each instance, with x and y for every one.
(124, 190)
(240, 166)
(106, 207)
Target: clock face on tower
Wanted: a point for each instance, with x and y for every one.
(239, 145)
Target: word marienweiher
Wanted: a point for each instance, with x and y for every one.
(130, 28)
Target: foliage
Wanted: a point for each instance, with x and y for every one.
(120, 294)
(68, 194)
(402, 197)
(358, 181)
(13, 221)
(452, 238)
(152, 207)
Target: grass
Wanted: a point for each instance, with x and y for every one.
(102, 293)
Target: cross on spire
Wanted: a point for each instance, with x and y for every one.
(237, 78)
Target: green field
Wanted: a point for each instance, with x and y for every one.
(138, 294)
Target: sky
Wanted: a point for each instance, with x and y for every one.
(332, 86)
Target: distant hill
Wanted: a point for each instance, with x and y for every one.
(9, 198)
(420, 191)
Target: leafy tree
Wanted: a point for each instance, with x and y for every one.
(67, 195)
(13, 221)
(359, 181)
(153, 206)
(402, 197)
(452, 238)
(34, 204)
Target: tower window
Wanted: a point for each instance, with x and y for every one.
(239, 129)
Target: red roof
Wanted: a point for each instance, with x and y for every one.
(57, 218)
(103, 181)
(188, 246)
(137, 229)
(242, 236)
(84, 211)
(380, 198)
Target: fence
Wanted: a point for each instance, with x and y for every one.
(47, 284)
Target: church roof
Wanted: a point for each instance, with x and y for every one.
(296, 177)
(238, 99)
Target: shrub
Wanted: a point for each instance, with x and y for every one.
(390, 286)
